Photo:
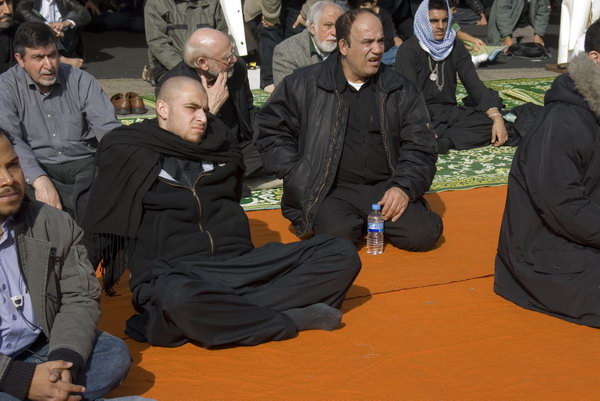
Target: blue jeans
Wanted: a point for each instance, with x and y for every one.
(106, 367)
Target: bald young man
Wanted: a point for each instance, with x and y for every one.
(209, 58)
(172, 205)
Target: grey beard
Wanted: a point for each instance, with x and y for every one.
(6, 23)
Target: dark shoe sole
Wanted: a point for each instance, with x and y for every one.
(122, 112)
(139, 111)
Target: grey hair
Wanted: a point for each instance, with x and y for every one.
(191, 54)
(315, 11)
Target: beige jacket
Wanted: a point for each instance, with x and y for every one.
(270, 10)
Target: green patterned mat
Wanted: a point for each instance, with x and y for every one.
(456, 170)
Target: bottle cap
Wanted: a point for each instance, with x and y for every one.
(376, 206)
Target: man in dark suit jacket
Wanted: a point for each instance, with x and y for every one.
(66, 18)
(209, 58)
(7, 34)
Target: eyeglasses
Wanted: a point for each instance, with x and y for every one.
(229, 60)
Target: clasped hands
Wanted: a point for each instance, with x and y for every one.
(52, 382)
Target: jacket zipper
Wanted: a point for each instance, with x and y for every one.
(195, 195)
(332, 146)
(384, 133)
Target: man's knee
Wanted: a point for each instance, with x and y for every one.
(342, 250)
(107, 367)
(175, 292)
(345, 227)
(421, 237)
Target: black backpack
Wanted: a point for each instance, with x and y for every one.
(529, 50)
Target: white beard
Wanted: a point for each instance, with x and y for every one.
(326, 46)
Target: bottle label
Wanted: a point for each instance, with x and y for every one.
(375, 227)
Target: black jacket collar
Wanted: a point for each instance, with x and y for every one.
(386, 79)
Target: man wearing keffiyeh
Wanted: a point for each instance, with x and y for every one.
(431, 59)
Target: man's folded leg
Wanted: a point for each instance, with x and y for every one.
(418, 229)
(177, 308)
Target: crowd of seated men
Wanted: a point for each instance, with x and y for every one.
(342, 129)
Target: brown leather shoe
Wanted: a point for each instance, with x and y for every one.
(121, 104)
(136, 103)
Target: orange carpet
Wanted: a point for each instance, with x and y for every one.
(416, 327)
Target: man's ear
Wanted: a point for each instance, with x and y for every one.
(343, 46)
(19, 59)
(594, 56)
(162, 109)
(202, 63)
(312, 30)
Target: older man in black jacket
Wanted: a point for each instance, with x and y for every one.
(347, 133)
(549, 252)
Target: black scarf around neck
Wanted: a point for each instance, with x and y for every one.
(127, 164)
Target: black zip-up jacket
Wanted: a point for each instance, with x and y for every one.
(200, 222)
(29, 11)
(300, 133)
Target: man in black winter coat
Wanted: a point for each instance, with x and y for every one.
(7, 35)
(350, 132)
(167, 196)
(549, 251)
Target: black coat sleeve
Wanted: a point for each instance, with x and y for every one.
(417, 151)
(556, 184)
(483, 97)
(276, 128)
(25, 12)
(407, 61)
(73, 10)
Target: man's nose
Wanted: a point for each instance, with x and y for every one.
(6, 178)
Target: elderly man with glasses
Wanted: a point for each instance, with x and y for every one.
(208, 57)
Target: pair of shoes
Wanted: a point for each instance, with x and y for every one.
(129, 103)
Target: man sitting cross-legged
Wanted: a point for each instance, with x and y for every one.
(167, 196)
(431, 60)
(49, 345)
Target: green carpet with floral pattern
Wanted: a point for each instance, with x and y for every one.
(457, 170)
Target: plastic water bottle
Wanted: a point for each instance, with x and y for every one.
(375, 231)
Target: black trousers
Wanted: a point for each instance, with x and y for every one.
(71, 44)
(239, 301)
(73, 181)
(344, 213)
(466, 127)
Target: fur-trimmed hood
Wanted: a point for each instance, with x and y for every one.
(586, 77)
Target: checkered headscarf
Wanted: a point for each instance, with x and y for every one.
(439, 49)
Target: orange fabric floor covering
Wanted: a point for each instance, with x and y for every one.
(417, 326)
